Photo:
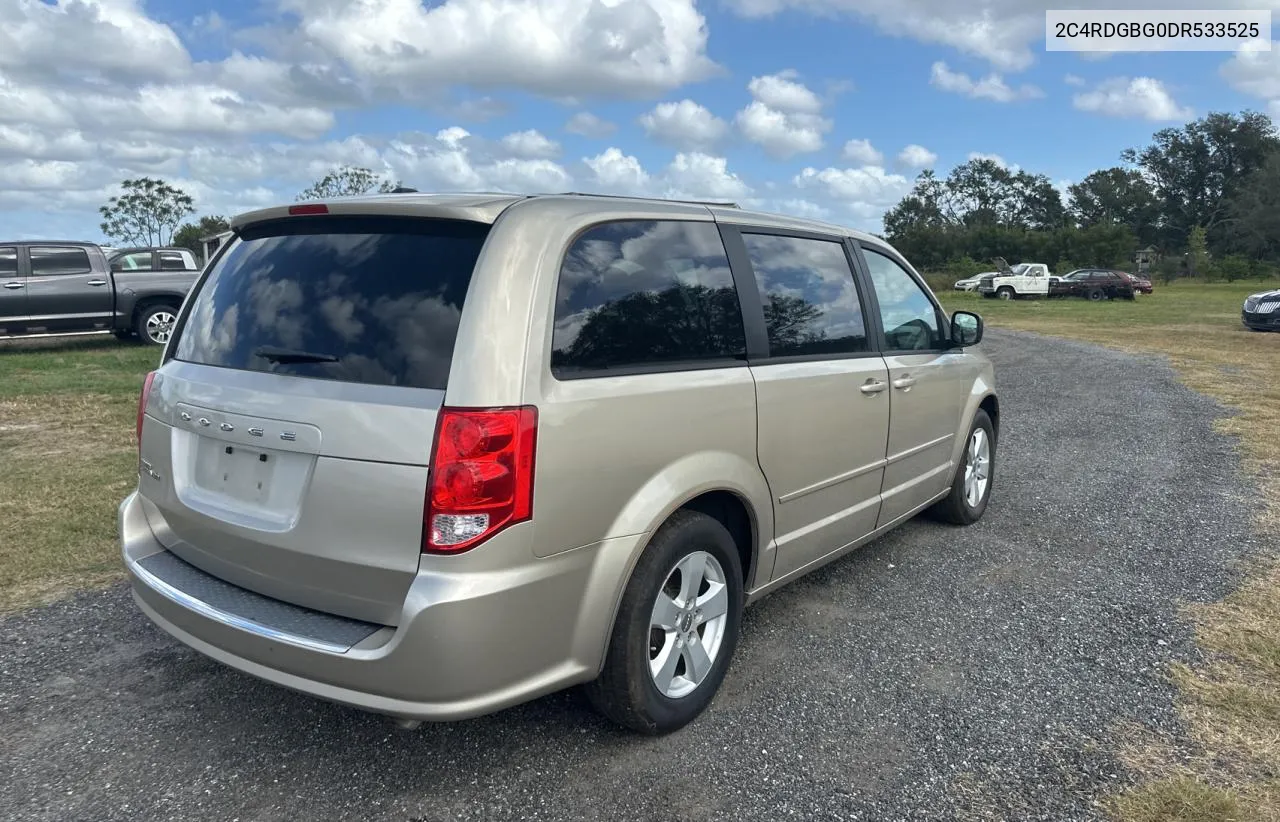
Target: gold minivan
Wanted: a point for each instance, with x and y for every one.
(435, 455)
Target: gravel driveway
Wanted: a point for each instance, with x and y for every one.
(939, 673)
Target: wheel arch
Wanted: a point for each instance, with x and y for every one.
(749, 523)
(142, 303)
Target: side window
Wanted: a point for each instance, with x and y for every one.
(137, 261)
(174, 261)
(52, 261)
(645, 293)
(8, 262)
(810, 301)
(909, 317)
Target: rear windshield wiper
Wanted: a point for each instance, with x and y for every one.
(291, 355)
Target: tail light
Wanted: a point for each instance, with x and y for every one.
(142, 404)
(481, 476)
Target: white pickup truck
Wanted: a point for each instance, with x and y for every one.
(1021, 280)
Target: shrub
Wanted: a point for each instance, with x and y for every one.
(1230, 268)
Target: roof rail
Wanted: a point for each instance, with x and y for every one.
(721, 203)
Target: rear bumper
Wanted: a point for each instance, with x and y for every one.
(466, 644)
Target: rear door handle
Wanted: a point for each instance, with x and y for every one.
(904, 382)
(14, 285)
(97, 282)
(871, 387)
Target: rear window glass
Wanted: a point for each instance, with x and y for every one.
(175, 261)
(372, 300)
(137, 261)
(58, 260)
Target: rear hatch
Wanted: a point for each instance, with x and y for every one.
(289, 431)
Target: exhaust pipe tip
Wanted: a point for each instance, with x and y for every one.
(406, 724)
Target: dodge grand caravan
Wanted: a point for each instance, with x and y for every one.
(432, 456)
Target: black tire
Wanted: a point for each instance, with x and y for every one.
(625, 691)
(1096, 295)
(153, 333)
(955, 508)
(1006, 293)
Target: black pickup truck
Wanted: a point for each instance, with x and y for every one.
(68, 287)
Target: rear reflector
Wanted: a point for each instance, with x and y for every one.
(481, 476)
(142, 404)
(309, 208)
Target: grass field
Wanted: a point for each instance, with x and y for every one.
(66, 446)
(67, 411)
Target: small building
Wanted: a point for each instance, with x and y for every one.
(210, 245)
(1145, 258)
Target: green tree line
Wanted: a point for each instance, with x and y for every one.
(1205, 195)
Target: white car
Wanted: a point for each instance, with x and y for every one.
(970, 283)
(1021, 280)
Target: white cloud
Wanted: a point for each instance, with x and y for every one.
(1256, 73)
(798, 207)
(685, 125)
(862, 153)
(870, 184)
(984, 28)
(781, 91)
(995, 158)
(1005, 33)
(858, 195)
(477, 109)
(586, 124)
(191, 108)
(617, 173)
(784, 118)
(690, 176)
(558, 48)
(530, 144)
(26, 142)
(991, 87)
(915, 156)
(697, 176)
(112, 38)
(1142, 97)
(1073, 80)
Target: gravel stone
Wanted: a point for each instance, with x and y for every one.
(939, 673)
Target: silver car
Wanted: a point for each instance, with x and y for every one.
(433, 456)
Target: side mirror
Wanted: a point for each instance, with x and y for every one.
(966, 329)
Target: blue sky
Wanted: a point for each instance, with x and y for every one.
(821, 107)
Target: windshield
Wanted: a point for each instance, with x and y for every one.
(1020, 269)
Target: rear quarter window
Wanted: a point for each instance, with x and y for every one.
(382, 297)
(646, 295)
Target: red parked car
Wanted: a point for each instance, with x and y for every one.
(1141, 285)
